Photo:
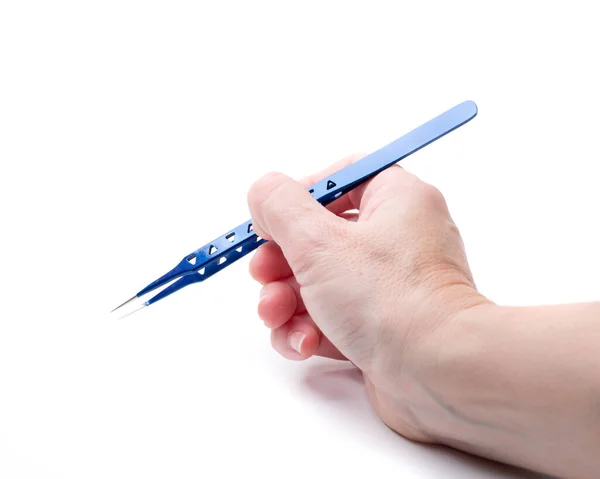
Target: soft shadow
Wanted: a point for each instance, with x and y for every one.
(340, 387)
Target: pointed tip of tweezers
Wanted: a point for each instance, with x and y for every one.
(143, 305)
(126, 302)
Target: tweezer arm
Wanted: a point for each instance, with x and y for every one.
(221, 252)
(206, 261)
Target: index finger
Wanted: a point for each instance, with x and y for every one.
(342, 204)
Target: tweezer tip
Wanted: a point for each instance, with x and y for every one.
(123, 304)
(131, 312)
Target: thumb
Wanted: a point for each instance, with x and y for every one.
(284, 211)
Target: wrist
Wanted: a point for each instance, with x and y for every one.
(458, 380)
(416, 380)
(506, 383)
(441, 364)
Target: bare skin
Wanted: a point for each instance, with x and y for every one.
(441, 363)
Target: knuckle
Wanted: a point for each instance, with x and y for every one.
(263, 187)
(264, 200)
(431, 196)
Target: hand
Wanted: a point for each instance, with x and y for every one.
(375, 287)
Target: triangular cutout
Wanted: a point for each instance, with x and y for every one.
(330, 184)
(201, 271)
(250, 228)
(213, 249)
(191, 259)
(222, 259)
(239, 250)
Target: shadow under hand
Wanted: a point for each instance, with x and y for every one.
(340, 389)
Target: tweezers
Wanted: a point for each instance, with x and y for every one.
(238, 242)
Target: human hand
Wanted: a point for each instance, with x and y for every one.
(375, 287)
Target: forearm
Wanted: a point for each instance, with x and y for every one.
(522, 385)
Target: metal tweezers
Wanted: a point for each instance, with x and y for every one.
(238, 242)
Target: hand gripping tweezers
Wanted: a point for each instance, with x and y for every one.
(238, 242)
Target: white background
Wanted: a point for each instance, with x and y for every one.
(130, 133)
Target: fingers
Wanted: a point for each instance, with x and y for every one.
(299, 339)
(268, 264)
(281, 206)
(281, 310)
(283, 211)
(391, 181)
(277, 304)
(394, 178)
(391, 184)
(279, 301)
(344, 203)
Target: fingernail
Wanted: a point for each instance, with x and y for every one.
(295, 341)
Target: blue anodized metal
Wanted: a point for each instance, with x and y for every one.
(228, 248)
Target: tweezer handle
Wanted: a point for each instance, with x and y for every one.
(348, 178)
(218, 254)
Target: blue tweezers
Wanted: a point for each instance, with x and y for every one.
(238, 242)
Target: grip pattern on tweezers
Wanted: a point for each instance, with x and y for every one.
(208, 260)
(223, 251)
